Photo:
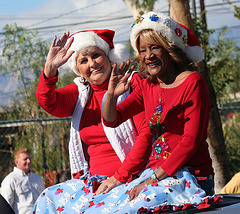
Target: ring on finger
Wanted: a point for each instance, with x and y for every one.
(105, 187)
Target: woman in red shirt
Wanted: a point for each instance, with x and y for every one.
(175, 100)
(101, 158)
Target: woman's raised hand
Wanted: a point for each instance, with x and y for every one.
(58, 54)
(118, 83)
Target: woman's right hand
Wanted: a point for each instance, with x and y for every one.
(58, 55)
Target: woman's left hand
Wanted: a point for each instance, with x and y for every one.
(136, 190)
(107, 185)
(160, 173)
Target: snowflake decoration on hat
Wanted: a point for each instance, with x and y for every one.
(185, 39)
(167, 22)
(154, 18)
(139, 20)
(178, 32)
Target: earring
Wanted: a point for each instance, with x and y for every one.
(83, 81)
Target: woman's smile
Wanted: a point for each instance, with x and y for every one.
(94, 65)
(153, 64)
(96, 71)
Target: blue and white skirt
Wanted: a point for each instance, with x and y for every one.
(78, 196)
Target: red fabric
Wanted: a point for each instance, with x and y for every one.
(201, 179)
(60, 102)
(207, 202)
(99, 149)
(103, 161)
(192, 39)
(185, 115)
(217, 199)
(77, 174)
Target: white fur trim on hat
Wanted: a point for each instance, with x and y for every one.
(168, 28)
(118, 54)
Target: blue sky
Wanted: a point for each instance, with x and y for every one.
(53, 17)
(38, 14)
(16, 6)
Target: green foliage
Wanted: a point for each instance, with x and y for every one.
(47, 142)
(232, 138)
(24, 51)
(224, 65)
(237, 11)
(23, 57)
(222, 57)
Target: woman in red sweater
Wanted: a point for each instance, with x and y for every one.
(176, 104)
(101, 158)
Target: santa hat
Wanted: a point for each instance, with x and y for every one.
(174, 32)
(102, 39)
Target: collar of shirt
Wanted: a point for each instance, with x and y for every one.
(20, 172)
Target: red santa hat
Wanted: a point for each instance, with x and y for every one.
(174, 32)
(102, 39)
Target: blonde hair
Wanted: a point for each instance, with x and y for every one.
(177, 55)
(19, 151)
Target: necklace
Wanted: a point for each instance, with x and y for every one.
(160, 145)
(160, 97)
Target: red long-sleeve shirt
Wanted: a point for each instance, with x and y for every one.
(185, 116)
(103, 159)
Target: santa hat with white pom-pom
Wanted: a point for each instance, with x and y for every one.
(102, 39)
(174, 32)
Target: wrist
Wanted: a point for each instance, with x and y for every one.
(50, 72)
(154, 177)
(147, 182)
(112, 98)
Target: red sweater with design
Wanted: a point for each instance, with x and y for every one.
(185, 116)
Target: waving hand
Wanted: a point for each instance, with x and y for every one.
(118, 83)
(58, 55)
